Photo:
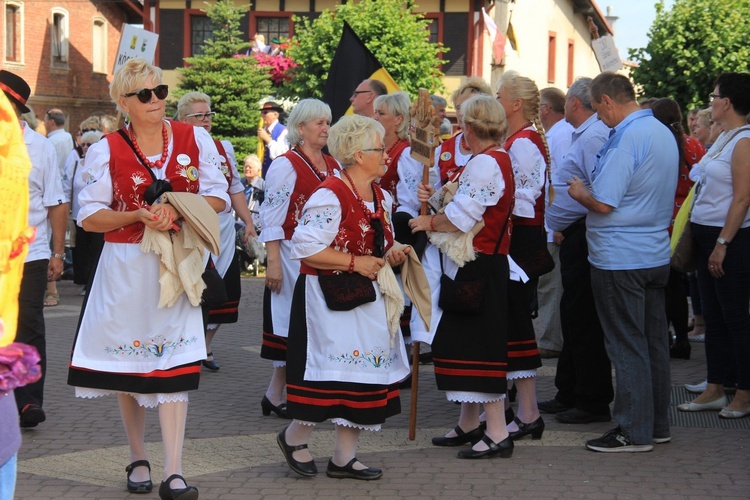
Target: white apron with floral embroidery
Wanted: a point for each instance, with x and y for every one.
(351, 346)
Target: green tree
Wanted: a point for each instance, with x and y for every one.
(234, 83)
(396, 35)
(689, 46)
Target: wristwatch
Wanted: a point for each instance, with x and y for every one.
(722, 241)
(60, 256)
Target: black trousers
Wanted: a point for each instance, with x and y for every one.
(584, 377)
(31, 326)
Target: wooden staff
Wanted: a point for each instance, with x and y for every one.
(425, 137)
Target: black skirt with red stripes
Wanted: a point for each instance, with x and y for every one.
(228, 312)
(273, 346)
(523, 352)
(363, 404)
(469, 350)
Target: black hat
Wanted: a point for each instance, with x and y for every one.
(16, 89)
(272, 106)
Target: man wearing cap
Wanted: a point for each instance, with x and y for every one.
(272, 133)
(276, 47)
(46, 201)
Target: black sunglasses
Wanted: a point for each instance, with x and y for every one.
(144, 95)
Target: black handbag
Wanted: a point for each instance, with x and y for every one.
(215, 292)
(528, 248)
(345, 291)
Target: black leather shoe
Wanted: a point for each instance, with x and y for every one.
(211, 365)
(460, 438)
(266, 407)
(578, 416)
(349, 472)
(680, 349)
(552, 406)
(504, 448)
(32, 415)
(139, 486)
(307, 469)
(186, 493)
(535, 428)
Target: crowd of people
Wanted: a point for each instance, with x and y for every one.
(550, 204)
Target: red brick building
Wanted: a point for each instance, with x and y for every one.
(65, 50)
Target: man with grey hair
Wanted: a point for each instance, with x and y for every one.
(440, 104)
(583, 379)
(54, 123)
(630, 204)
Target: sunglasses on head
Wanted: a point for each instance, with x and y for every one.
(144, 95)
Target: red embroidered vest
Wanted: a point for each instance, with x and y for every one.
(130, 179)
(447, 162)
(307, 181)
(534, 137)
(356, 235)
(390, 179)
(495, 216)
(225, 167)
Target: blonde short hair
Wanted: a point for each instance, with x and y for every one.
(704, 117)
(486, 117)
(90, 123)
(397, 104)
(183, 105)
(473, 85)
(351, 134)
(131, 76)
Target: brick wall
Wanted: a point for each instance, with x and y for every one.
(75, 89)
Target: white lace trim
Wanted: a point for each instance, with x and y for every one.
(279, 364)
(347, 423)
(145, 400)
(521, 374)
(305, 422)
(473, 397)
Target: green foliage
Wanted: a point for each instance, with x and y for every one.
(689, 46)
(235, 84)
(396, 35)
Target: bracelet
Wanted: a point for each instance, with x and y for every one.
(432, 223)
(60, 256)
(351, 265)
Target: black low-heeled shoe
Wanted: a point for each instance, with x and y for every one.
(504, 448)
(211, 365)
(349, 472)
(139, 486)
(186, 493)
(460, 438)
(680, 349)
(535, 428)
(267, 407)
(307, 469)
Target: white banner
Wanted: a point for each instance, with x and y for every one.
(135, 42)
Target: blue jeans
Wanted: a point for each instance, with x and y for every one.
(725, 306)
(631, 305)
(8, 478)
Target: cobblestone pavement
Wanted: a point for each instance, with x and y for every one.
(231, 453)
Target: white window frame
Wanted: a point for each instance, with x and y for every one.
(99, 44)
(19, 31)
(64, 45)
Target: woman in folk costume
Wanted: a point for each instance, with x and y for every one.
(450, 156)
(344, 360)
(195, 108)
(473, 231)
(126, 345)
(392, 111)
(291, 179)
(527, 146)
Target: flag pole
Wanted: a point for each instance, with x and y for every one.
(425, 137)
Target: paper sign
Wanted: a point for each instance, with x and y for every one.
(135, 42)
(607, 53)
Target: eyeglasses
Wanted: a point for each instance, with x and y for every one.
(713, 97)
(357, 92)
(144, 95)
(87, 144)
(379, 150)
(201, 116)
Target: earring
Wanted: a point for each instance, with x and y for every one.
(301, 143)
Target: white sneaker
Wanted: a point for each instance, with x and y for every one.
(697, 388)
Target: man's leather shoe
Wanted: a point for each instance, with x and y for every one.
(504, 448)
(349, 472)
(552, 406)
(32, 415)
(578, 416)
(460, 438)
